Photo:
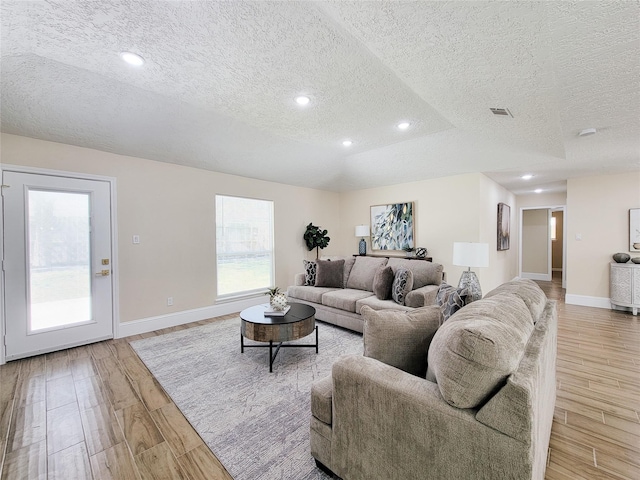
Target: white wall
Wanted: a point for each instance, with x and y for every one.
(597, 211)
(171, 207)
(503, 265)
(461, 208)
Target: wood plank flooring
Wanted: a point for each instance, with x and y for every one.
(96, 412)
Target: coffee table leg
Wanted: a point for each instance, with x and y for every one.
(316, 339)
(241, 344)
(271, 356)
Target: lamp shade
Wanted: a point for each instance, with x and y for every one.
(362, 230)
(467, 254)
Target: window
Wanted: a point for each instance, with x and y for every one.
(553, 228)
(244, 245)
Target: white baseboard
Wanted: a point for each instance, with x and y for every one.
(536, 276)
(586, 301)
(150, 324)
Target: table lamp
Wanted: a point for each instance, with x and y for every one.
(467, 254)
(362, 231)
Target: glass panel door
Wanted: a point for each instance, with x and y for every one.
(58, 286)
(59, 259)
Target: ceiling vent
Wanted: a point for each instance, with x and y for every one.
(501, 112)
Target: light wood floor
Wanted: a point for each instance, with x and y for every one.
(97, 412)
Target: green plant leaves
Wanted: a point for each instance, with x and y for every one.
(315, 238)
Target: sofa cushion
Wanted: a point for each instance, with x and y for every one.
(363, 271)
(450, 299)
(309, 273)
(402, 284)
(424, 273)
(348, 265)
(382, 282)
(344, 299)
(473, 353)
(310, 294)
(400, 339)
(330, 273)
(528, 290)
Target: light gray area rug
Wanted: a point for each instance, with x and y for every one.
(255, 422)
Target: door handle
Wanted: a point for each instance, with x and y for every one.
(103, 273)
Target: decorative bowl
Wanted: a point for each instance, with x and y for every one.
(635, 259)
(636, 246)
(621, 257)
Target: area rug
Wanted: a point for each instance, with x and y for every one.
(255, 422)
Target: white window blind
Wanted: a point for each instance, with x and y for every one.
(244, 245)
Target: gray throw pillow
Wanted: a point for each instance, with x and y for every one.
(330, 273)
(309, 273)
(402, 284)
(450, 299)
(400, 339)
(382, 282)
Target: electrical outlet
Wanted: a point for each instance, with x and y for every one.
(169, 301)
(136, 239)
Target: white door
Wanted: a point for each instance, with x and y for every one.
(57, 263)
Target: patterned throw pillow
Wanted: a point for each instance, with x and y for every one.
(402, 284)
(310, 269)
(450, 299)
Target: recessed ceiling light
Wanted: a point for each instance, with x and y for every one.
(527, 176)
(538, 190)
(132, 58)
(302, 100)
(403, 125)
(586, 132)
(347, 143)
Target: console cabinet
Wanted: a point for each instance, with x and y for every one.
(624, 287)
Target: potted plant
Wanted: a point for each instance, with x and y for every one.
(315, 238)
(277, 299)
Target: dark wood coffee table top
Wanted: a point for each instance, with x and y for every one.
(298, 312)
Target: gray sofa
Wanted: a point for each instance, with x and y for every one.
(341, 305)
(484, 410)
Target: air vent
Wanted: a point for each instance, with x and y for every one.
(501, 112)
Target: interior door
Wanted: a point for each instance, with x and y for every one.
(57, 263)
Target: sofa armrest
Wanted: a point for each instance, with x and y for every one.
(422, 297)
(321, 399)
(298, 280)
(393, 425)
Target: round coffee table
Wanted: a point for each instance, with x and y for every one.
(298, 322)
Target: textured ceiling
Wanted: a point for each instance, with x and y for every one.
(217, 90)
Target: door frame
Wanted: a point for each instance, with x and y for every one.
(549, 209)
(114, 244)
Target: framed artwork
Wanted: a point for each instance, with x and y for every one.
(504, 226)
(634, 230)
(392, 226)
